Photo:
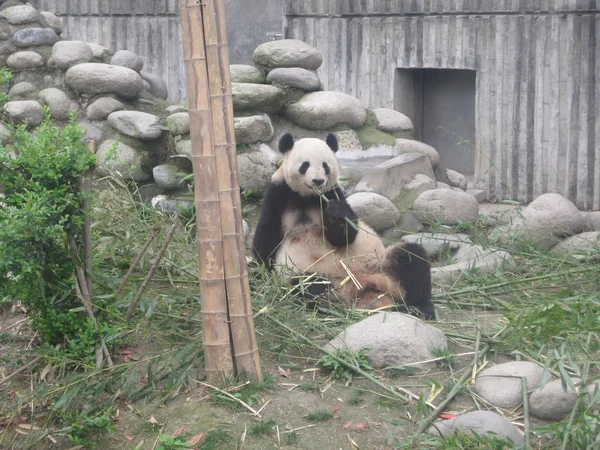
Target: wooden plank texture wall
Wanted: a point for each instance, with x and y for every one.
(536, 63)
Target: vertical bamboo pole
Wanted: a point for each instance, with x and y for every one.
(213, 292)
(245, 348)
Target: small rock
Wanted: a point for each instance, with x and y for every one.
(92, 132)
(5, 133)
(137, 124)
(324, 109)
(295, 77)
(501, 385)
(552, 402)
(391, 121)
(173, 205)
(95, 78)
(438, 244)
(168, 176)
(32, 37)
(348, 141)
(178, 123)
(391, 339)
(5, 33)
(374, 209)
(130, 162)
(103, 107)
(456, 179)
(482, 422)
(22, 89)
(581, 245)
(415, 187)
(158, 87)
(446, 207)
(23, 111)
(253, 129)
(125, 58)
(19, 14)
(479, 194)
(241, 73)
(184, 147)
(60, 105)
(592, 221)
(53, 21)
(24, 60)
(404, 146)
(172, 109)
(66, 54)
(287, 53)
(148, 191)
(256, 168)
(99, 51)
(257, 97)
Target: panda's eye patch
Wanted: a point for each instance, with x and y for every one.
(327, 169)
(304, 167)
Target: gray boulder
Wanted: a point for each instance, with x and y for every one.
(184, 147)
(482, 422)
(168, 176)
(592, 221)
(172, 109)
(137, 124)
(392, 121)
(501, 385)
(158, 87)
(131, 163)
(25, 60)
(374, 209)
(178, 123)
(391, 339)
(96, 78)
(21, 89)
(25, 111)
(92, 132)
(355, 162)
(4, 133)
(257, 97)
(53, 21)
(411, 146)
(256, 168)
(125, 58)
(253, 129)
(438, 245)
(446, 207)
(100, 52)
(241, 73)
(287, 53)
(173, 205)
(552, 401)
(582, 245)
(60, 105)
(325, 109)
(103, 107)
(35, 37)
(20, 14)
(295, 77)
(66, 54)
(456, 179)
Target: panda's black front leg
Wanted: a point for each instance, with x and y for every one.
(337, 230)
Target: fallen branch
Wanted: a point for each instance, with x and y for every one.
(136, 261)
(31, 363)
(241, 402)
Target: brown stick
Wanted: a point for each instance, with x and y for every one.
(142, 288)
(136, 261)
(86, 188)
(31, 363)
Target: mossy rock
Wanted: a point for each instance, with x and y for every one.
(370, 136)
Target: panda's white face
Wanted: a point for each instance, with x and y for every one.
(310, 167)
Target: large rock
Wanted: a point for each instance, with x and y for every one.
(580, 246)
(552, 401)
(103, 107)
(158, 87)
(35, 37)
(325, 109)
(592, 221)
(411, 146)
(446, 207)
(25, 60)
(25, 111)
(456, 179)
(92, 132)
(257, 97)
(66, 54)
(287, 53)
(392, 121)
(501, 385)
(391, 339)
(60, 105)
(115, 156)
(415, 187)
(481, 422)
(168, 176)
(253, 129)
(137, 124)
(438, 245)
(241, 73)
(390, 177)
(355, 162)
(178, 123)
(20, 14)
(100, 51)
(21, 90)
(128, 59)
(375, 210)
(53, 21)
(183, 147)
(295, 77)
(542, 224)
(96, 78)
(256, 168)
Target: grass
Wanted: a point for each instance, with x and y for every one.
(319, 416)
(263, 428)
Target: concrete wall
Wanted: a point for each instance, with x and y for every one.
(151, 29)
(537, 99)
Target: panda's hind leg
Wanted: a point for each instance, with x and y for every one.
(311, 288)
(409, 266)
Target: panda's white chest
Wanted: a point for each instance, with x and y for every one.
(299, 224)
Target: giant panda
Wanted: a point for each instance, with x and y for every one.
(300, 231)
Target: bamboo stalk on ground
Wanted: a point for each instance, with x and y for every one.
(136, 261)
(245, 348)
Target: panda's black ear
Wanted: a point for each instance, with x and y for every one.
(331, 140)
(286, 143)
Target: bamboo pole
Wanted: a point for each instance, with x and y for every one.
(213, 292)
(241, 317)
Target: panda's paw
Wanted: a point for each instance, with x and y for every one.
(338, 210)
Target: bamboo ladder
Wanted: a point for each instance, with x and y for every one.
(229, 339)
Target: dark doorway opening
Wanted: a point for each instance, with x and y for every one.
(441, 104)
